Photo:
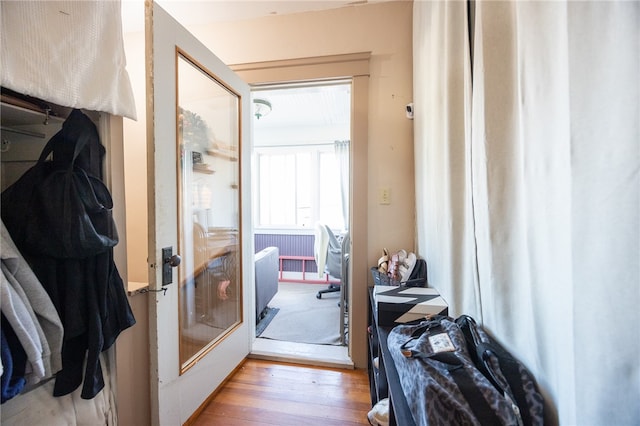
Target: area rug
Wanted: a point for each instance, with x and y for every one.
(268, 315)
(302, 317)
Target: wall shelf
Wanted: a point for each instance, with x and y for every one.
(203, 168)
(226, 155)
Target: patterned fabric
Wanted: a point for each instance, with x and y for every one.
(440, 381)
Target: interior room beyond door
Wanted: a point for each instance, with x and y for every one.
(302, 180)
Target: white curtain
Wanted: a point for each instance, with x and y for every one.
(67, 52)
(442, 96)
(529, 204)
(342, 156)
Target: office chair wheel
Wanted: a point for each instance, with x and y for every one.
(319, 296)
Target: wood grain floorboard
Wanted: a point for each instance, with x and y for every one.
(271, 393)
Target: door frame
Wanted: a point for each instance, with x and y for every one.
(354, 67)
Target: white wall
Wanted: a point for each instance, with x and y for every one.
(132, 349)
(135, 162)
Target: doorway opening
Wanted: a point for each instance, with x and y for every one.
(301, 185)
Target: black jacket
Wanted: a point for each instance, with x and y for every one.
(81, 279)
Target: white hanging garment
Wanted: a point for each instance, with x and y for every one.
(67, 52)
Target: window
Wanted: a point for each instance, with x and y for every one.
(298, 185)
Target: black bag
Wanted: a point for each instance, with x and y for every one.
(69, 205)
(418, 277)
(505, 372)
(444, 386)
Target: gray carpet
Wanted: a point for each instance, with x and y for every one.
(302, 317)
(268, 315)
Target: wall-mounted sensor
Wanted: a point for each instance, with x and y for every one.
(409, 110)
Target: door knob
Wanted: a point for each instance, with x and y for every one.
(173, 261)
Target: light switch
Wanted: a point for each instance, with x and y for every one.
(385, 195)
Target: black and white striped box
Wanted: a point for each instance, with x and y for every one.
(400, 304)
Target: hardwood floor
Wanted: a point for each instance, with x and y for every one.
(272, 393)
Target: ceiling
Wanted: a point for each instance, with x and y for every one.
(201, 12)
(310, 107)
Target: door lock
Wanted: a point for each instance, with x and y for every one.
(169, 260)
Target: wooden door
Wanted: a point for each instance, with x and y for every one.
(200, 316)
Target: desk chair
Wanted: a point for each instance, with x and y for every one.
(329, 257)
(344, 289)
